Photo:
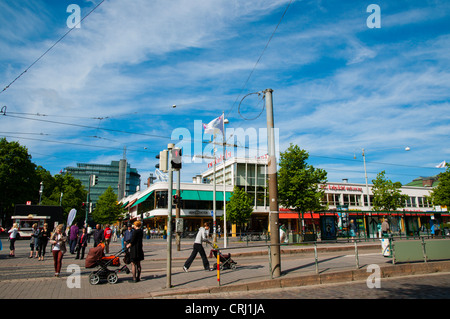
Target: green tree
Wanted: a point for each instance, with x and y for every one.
(298, 182)
(387, 195)
(239, 208)
(440, 195)
(19, 182)
(107, 210)
(67, 191)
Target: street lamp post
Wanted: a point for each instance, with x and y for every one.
(41, 191)
(365, 174)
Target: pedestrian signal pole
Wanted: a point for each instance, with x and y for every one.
(169, 218)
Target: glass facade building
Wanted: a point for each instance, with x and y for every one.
(108, 175)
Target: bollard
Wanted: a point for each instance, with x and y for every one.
(356, 256)
(316, 261)
(218, 268)
(425, 259)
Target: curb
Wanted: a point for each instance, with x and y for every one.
(398, 270)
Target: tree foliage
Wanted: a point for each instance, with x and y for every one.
(441, 193)
(67, 191)
(19, 182)
(107, 211)
(387, 195)
(239, 208)
(298, 182)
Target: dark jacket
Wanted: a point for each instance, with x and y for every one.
(82, 240)
(98, 236)
(136, 251)
(44, 235)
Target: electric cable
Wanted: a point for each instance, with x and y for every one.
(260, 56)
(49, 49)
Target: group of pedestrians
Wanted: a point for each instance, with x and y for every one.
(77, 240)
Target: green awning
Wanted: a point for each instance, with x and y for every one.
(203, 195)
(125, 204)
(142, 199)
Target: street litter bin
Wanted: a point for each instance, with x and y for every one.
(386, 245)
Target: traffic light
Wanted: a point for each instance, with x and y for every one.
(177, 200)
(94, 180)
(176, 158)
(162, 161)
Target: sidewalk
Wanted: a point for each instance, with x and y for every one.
(22, 277)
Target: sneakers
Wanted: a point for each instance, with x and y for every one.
(185, 269)
(209, 269)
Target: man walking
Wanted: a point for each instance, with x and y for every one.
(98, 235)
(385, 227)
(202, 236)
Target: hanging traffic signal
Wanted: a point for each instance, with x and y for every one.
(162, 165)
(176, 158)
(94, 180)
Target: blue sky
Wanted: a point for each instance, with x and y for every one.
(338, 85)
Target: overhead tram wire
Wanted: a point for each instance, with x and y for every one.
(3, 113)
(76, 144)
(49, 49)
(260, 56)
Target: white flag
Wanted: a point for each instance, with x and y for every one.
(441, 165)
(215, 126)
(71, 217)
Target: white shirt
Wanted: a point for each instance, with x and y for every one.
(202, 235)
(56, 246)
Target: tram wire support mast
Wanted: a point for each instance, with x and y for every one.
(273, 189)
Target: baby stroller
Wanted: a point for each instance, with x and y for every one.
(97, 258)
(225, 260)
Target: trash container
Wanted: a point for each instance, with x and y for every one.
(386, 245)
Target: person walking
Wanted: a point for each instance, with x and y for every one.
(43, 237)
(12, 239)
(107, 235)
(89, 233)
(74, 230)
(202, 236)
(128, 234)
(122, 235)
(98, 235)
(34, 241)
(58, 240)
(81, 244)
(136, 251)
(353, 230)
(384, 227)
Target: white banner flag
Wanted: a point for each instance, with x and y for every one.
(71, 217)
(215, 126)
(441, 165)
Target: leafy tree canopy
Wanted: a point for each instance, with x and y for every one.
(107, 211)
(387, 195)
(441, 193)
(298, 182)
(239, 208)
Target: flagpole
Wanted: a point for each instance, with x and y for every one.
(224, 191)
(214, 189)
